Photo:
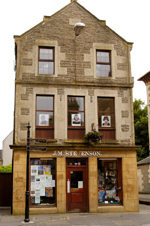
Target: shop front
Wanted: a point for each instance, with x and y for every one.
(100, 179)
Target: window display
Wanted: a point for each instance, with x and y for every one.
(42, 182)
(109, 181)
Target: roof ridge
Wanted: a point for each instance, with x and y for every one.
(47, 18)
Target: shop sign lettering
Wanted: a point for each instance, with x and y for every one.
(76, 154)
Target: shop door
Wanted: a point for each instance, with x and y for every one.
(77, 188)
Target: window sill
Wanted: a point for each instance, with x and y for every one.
(42, 141)
(102, 77)
(109, 141)
(43, 210)
(110, 208)
(75, 141)
(47, 75)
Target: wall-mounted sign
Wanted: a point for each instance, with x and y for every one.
(76, 154)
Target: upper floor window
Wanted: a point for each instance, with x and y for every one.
(106, 117)
(103, 63)
(45, 117)
(76, 117)
(46, 60)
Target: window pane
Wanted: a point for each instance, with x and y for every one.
(46, 54)
(106, 105)
(44, 118)
(106, 112)
(102, 57)
(43, 176)
(103, 70)
(76, 161)
(46, 68)
(108, 182)
(76, 103)
(75, 118)
(76, 179)
(45, 103)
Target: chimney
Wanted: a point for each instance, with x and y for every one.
(74, 1)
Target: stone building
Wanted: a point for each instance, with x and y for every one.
(68, 84)
(1, 159)
(146, 79)
(144, 176)
(144, 165)
(7, 152)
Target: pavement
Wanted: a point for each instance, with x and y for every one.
(144, 199)
(141, 218)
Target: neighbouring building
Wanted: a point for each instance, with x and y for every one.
(7, 152)
(1, 160)
(144, 165)
(144, 175)
(146, 79)
(68, 84)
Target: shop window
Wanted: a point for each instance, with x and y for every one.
(106, 117)
(109, 181)
(76, 117)
(46, 60)
(103, 63)
(43, 182)
(45, 117)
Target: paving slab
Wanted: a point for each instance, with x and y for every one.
(141, 218)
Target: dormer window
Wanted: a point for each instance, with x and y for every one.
(46, 60)
(103, 63)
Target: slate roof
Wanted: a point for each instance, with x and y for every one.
(145, 78)
(144, 161)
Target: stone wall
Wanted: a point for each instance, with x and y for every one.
(129, 182)
(75, 71)
(25, 113)
(144, 178)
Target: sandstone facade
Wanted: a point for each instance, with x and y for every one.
(74, 75)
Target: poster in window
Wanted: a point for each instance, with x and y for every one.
(37, 183)
(32, 178)
(37, 196)
(106, 121)
(48, 182)
(80, 184)
(49, 192)
(33, 186)
(76, 119)
(47, 170)
(34, 170)
(40, 170)
(37, 199)
(43, 120)
(53, 183)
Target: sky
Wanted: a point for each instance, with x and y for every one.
(129, 18)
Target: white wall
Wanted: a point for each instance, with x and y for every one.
(6, 151)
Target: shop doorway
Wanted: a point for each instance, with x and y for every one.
(77, 185)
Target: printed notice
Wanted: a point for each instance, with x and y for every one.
(48, 181)
(34, 170)
(53, 183)
(80, 184)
